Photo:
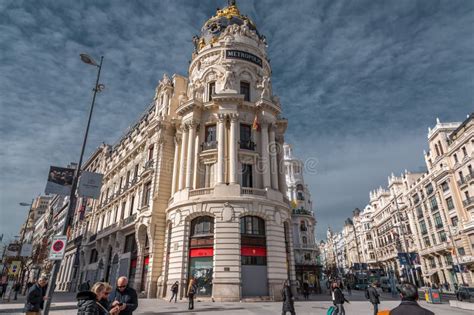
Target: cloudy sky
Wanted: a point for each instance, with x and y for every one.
(360, 82)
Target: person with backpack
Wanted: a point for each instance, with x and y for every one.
(338, 299)
(192, 290)
(174, 290)
(372, 295)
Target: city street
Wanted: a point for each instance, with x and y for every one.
(317, 305)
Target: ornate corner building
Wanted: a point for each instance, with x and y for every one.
(194, 188)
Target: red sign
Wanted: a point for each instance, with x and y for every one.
(253, 251)
(58, 245)
(201, 252)
(146, 261)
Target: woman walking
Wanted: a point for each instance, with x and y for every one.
(288, 299)
(192, 290)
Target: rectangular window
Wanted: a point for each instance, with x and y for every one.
(434, 239)
(128, 179)
(247, 180)
(423, 227)
(445, 186)
(461, 251)
(122, 214)
(429, 189)
(211, 90)
(437, 220)
(135, 172)
(245, 90)
(246, 137)
(132, 201)
(450, 203)
(427, 241)
(130, 244)
(434, 204)
(211, 133)
(454, 221)
(150, 152)
(419, 212)
(146, 194)
(442, 236)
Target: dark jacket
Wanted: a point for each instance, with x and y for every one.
(338, 296)
(410, 307)
(86, 303)
(34, 299)
(288, 301)
(174, 288)
(372, 295)
(128, 297)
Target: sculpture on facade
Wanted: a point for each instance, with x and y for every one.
(265, 87)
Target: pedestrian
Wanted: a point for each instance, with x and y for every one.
(174, 290)
(338, 299)
(409, 296)
(35, 297)
(192, 290)
(16, 289)
(124, 296)
(305, 290)
(95, 301)
(372, 295)
(349, 289)
(288, 299)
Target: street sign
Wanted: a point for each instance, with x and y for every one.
(26, 250)
(58, 247)
(90, 184)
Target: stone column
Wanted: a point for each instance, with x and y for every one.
(233, 149)
(182, 160)
(220, 148)
(281, 166)
(190, 159)
(265, 156)
(175, 165)
(273, 158)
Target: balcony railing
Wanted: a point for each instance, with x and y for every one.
(148, 165)
(468, 201)
(462, 181)
(201, 191)
(208, 145)
(253, 191)
(129, 219)
(247, 145)
(303, 211)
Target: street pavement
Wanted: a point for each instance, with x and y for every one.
(64, 303)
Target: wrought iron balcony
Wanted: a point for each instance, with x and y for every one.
(208, 145)
(129, 220)
(247, 145)
(469, 201)
(302, 211)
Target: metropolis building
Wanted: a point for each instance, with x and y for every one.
(194, 188)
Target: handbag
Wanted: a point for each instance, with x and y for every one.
(331, 310)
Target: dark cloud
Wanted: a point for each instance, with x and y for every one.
(362, 79)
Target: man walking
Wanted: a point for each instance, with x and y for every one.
(409, 295)
(124, 297)
(174, 290)
(338, 299)
(35, 297)
(373, 296)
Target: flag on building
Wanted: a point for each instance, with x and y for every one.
(256, 123)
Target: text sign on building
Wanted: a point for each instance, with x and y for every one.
(26, 250)
(58, 247)
(90, 184)
(239, 54)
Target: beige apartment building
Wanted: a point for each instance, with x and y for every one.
(430, 214)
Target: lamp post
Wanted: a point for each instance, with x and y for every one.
(72, 197)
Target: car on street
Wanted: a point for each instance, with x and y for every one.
(465, 294)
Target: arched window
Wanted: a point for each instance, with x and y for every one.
(303, 226)
(202, 226)
(305, 240)
(251, 225)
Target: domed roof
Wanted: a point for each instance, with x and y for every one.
(224, 17)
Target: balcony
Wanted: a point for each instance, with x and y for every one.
(201, 191)
(247, 145)
(131, 219)
(253, 191)
(208, 145)
(463, 181)
(468, 202)
(302, 211)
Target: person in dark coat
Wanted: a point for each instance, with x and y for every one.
(36, 297)
(86, 303)
(409, 295)
(338, 299)
(174, 291)
(192, 290)
(16, 289)
(125, 297)
(305, 290)
(288, 299)
(373, 296)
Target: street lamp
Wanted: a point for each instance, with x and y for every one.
(72, 197)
